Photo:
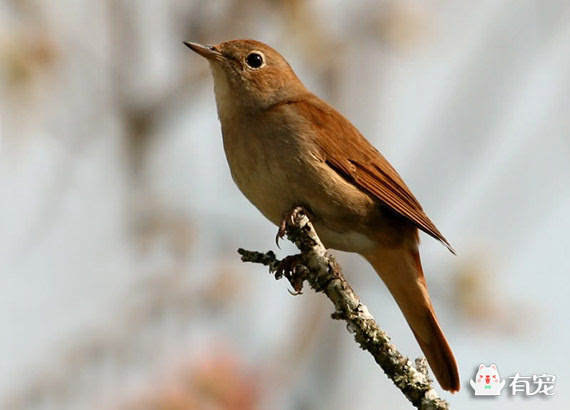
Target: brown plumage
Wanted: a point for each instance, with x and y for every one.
(287, 148)
(348, 153)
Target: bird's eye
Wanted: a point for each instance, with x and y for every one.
(254, 60)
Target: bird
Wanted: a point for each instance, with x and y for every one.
(288, 149)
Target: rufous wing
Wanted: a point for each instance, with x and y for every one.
(348, 153)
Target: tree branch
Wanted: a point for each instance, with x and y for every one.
(324, 274)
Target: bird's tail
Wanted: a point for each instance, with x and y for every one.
(401, 271)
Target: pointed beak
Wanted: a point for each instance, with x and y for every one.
(206, 51)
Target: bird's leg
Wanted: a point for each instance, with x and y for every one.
(291, 267)
(288, 218)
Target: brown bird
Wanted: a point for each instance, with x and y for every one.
(287, 148)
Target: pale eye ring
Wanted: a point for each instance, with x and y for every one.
(255, 60)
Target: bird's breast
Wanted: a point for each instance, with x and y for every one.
(277, 167)
(262, 166)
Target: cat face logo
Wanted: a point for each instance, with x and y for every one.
(487, 381)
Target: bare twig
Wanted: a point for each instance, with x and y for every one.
(323, 274)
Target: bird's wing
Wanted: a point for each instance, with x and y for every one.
(348, 153)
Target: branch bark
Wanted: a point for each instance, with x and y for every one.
(324, 274)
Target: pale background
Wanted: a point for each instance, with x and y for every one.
(119, 222)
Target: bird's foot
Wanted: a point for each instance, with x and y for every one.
(288, 218)
(291, 267)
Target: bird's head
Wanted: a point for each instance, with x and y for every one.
(248, 75)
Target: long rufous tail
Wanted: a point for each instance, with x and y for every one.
(401, 271)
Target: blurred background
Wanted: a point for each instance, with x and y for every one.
(119, 223)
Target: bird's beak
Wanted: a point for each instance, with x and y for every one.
(208, 52)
